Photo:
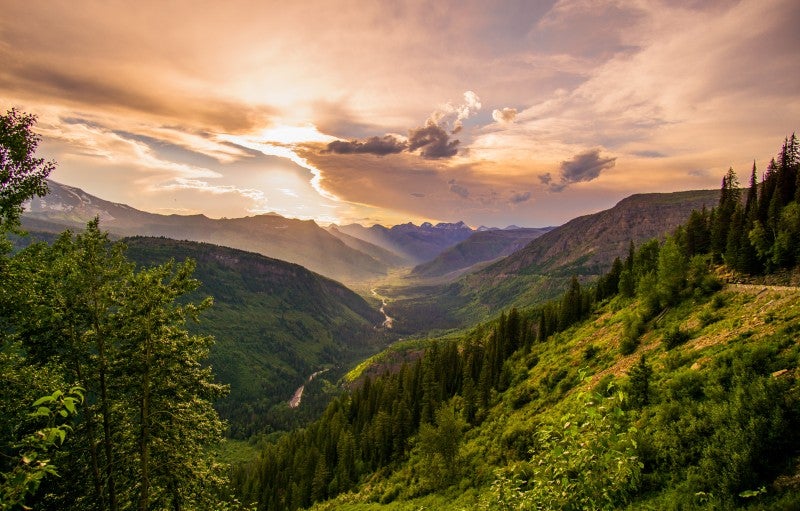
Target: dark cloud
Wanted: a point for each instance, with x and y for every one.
(545, 178)
(433, 141)
(519, 197)
(380, 146)
(418, 195)
(583, 167)
(458, 189)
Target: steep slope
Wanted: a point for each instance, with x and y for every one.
(297, 241)
(416, 244)
(275, 324)
(482, 246)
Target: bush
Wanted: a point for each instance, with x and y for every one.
(674, 337)
(633, 328)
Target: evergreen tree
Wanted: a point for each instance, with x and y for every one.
(730, 197)
(571, 305)
(639, 383)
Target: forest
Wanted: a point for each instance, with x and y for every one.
(657, 386)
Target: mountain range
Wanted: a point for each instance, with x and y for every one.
(482, 246)
(352, 253)
(415, 244)
(270, 235)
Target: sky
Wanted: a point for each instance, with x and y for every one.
(495, 113)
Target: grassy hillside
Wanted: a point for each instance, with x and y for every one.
(712, 428)
(275, 323)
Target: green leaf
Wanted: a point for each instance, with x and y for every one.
(43, 400)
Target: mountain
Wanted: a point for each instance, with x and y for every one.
(275, 324)
(585, 246)
(387, 257)
(298, 241)
(415, 244)
(588, 244)
(482, 246)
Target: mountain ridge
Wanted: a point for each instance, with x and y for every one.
(271, 235)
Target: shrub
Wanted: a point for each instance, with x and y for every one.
(674, 337)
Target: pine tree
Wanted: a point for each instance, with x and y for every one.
(639, 383)
(571, 305)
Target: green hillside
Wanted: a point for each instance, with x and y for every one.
(275, 323)
(701, 413)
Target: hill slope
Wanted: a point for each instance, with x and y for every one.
(704, 423)
(275, 324)
(297, 241)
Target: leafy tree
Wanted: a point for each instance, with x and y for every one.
(585, 459)
(440, 443)
(22, 175)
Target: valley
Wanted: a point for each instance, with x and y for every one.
(467, 363)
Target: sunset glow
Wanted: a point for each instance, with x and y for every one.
(526, 113)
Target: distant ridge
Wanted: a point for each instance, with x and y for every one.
(415, 244)
(585, 246)
(299, 241)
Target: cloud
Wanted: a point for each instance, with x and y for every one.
(458, 189)
(506, 115)
(433, 141)
(545, 178)
(519, 197)
(380, 146)
(649, 154)
(418, 195)
(583, 167)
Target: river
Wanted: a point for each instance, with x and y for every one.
(298, 394)
(389, 321)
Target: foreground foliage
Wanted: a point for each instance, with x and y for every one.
(77, 314)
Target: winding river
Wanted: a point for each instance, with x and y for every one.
(387, 323)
